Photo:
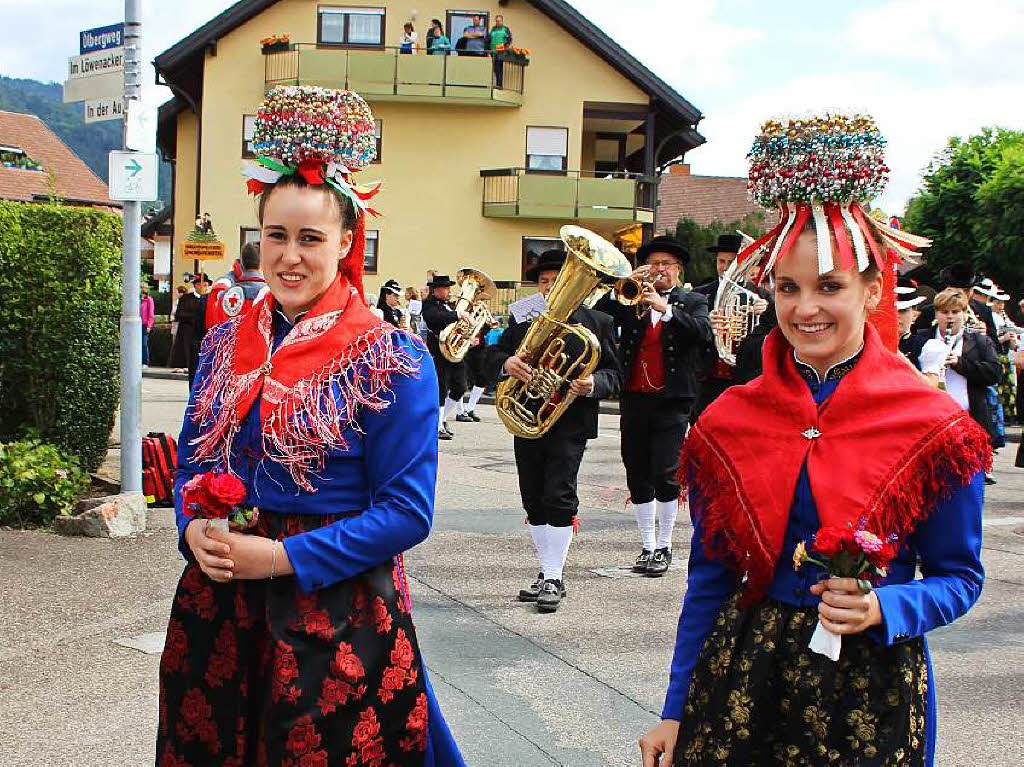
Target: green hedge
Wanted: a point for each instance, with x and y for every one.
(59, 309)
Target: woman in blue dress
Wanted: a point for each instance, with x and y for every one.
(292, 642)
(837, 431)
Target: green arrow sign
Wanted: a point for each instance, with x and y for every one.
(134, 167)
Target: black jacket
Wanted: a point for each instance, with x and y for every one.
(979, 364)
(684, 338)
(983, 312)
(580, 418)
(437, 315)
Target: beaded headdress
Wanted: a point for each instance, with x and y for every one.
(824, 169)
(326, 136)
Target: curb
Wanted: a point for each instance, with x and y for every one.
(164, 374)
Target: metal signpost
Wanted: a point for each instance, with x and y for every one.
(106, 75)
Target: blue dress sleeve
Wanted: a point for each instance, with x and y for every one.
(949, 546)
(708, 584)
(400, 452)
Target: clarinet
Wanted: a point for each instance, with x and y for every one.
(948, 339)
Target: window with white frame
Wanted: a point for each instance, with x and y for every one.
(532, 249)
(378, 133)
(246, 235)
(351, 26)
(248, 128)
(371, 251)
(547, 149)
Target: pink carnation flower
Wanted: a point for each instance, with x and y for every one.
(869, 542)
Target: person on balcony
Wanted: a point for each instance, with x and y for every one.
(409, 40)
(499, 40)
(438, 43)
(474, 39)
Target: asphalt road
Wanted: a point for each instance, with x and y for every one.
(518, 688)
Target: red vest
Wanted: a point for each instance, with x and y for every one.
(231, 295)
(648, 375)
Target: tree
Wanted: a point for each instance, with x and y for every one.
(971, 205)
(696, 238)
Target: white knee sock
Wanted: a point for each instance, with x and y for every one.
(474, 396)
(645, 523)
(440, 418)
(461, 404)
(449, 408)
(538, 534)
(558, 542)
(667, 511)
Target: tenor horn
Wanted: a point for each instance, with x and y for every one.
(476, 290)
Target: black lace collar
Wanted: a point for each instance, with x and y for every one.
(834, 373)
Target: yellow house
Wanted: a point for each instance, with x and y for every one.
(483, 157)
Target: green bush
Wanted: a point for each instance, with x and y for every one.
(59, 309)
(37, 482)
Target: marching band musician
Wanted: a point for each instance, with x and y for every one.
(438, 313)
(907, 298)
(548, 466)
(717, 376)
(660, 347)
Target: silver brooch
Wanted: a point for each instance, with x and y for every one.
(812, 433)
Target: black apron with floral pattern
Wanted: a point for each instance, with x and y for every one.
(258, 673)
(759, 696)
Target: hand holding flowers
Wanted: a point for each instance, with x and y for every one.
(854, 559)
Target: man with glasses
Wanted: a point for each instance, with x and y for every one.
(660, 344)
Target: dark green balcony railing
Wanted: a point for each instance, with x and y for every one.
(384, 74)
(574, 194)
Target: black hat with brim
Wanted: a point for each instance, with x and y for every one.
(549, 261)
(392, 286)
(959, 275)
(727, 243)
(664, 244)
(440, 281)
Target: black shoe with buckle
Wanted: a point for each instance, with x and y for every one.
(464, 418)
(444, 434)
(640, 566)
(551, 594)
(660, 560)
(473, 416)
(448, 431)
(530, 593)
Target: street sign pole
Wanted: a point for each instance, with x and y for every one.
(131, 322)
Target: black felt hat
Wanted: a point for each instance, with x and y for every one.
(549, 261)
(959, 275)
(664, 244)
(440, 281)
(392, 286)
(727, 243)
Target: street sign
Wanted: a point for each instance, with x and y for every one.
(140, 133)
(133, 176)
(104, 109)
(99, 63)
(202, 251)
(95, 87)
(101, 38)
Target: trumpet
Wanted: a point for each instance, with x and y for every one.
(560, 352)
(630, 291)
(476, 289)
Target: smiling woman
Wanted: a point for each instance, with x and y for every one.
(837, 432)
(291, 640)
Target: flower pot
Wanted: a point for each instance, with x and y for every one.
(276, 47)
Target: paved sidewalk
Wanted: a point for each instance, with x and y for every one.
(519, 689)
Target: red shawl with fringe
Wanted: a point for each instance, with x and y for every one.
(338, 345)
(884, 448)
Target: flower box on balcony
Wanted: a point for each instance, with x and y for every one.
(275, 44)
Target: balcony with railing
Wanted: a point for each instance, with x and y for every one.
(570, 195)
(385, 74)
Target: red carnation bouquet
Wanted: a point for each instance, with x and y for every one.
(845, 552)
(217, 497)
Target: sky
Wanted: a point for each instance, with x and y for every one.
(926, 69)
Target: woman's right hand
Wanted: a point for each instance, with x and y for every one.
(656, 746)
(209, 553)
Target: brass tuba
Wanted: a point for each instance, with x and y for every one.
(733, 318)
(476, 289)
(560, 352)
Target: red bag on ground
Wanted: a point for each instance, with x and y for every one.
(159, 462)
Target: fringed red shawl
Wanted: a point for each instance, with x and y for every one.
(337, 359)
(885, 448)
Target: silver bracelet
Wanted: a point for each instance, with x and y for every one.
(273, 560)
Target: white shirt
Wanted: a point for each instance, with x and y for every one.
(933, 359)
